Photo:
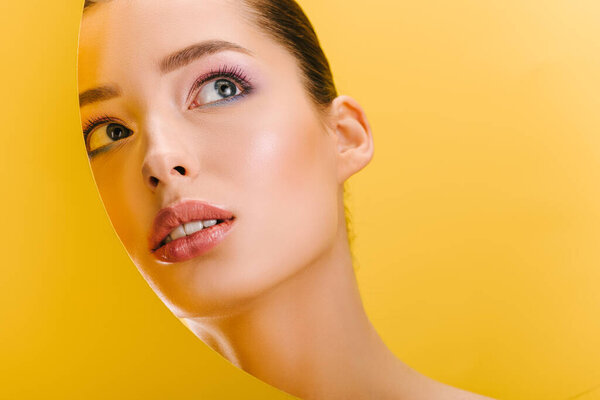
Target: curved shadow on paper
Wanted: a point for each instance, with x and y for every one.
(220, 148)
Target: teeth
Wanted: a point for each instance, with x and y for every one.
(189, 228)
(178, 233)
(210, 222)
(193, 227)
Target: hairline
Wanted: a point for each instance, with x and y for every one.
(252, 15)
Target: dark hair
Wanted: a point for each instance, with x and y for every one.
(285, 21)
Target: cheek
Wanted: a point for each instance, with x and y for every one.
(124, 199)
(287, 189)
(289, 163)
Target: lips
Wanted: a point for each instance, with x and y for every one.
(195, 244)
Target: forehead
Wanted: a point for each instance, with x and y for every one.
(119, 34)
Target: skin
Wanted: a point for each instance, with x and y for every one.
(278, 297)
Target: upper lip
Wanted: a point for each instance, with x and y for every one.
(171, 217)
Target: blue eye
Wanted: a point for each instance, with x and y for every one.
(219, 86)
(215, 91)
(225, 88)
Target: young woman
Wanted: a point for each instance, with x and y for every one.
(220, 148)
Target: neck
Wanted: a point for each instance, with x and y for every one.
(310, 336)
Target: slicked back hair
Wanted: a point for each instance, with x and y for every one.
(285, 22)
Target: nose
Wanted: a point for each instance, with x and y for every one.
(166, 167)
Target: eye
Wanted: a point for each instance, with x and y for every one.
(106, 134)
(216, 91)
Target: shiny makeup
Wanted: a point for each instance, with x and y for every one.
(190, 103)
(187, 230)
(214, 88)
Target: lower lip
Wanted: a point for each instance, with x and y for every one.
(194, 245)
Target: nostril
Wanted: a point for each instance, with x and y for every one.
(153, 181)
(180, 169)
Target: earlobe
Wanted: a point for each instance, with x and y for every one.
(354, 139)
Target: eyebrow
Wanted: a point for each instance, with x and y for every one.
(98, 94)
(185, 56)
(168, 64)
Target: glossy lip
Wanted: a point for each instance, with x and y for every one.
(192, 246)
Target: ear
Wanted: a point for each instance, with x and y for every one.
(354, 139)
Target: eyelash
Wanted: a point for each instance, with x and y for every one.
(94, 122)
(234, 73)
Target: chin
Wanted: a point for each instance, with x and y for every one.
(253, 261)
(212, 287)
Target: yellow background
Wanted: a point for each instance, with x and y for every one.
(477, 222)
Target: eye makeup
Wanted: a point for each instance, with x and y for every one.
(234, 73)
(93, 122)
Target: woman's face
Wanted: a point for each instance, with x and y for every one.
(187, 101)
